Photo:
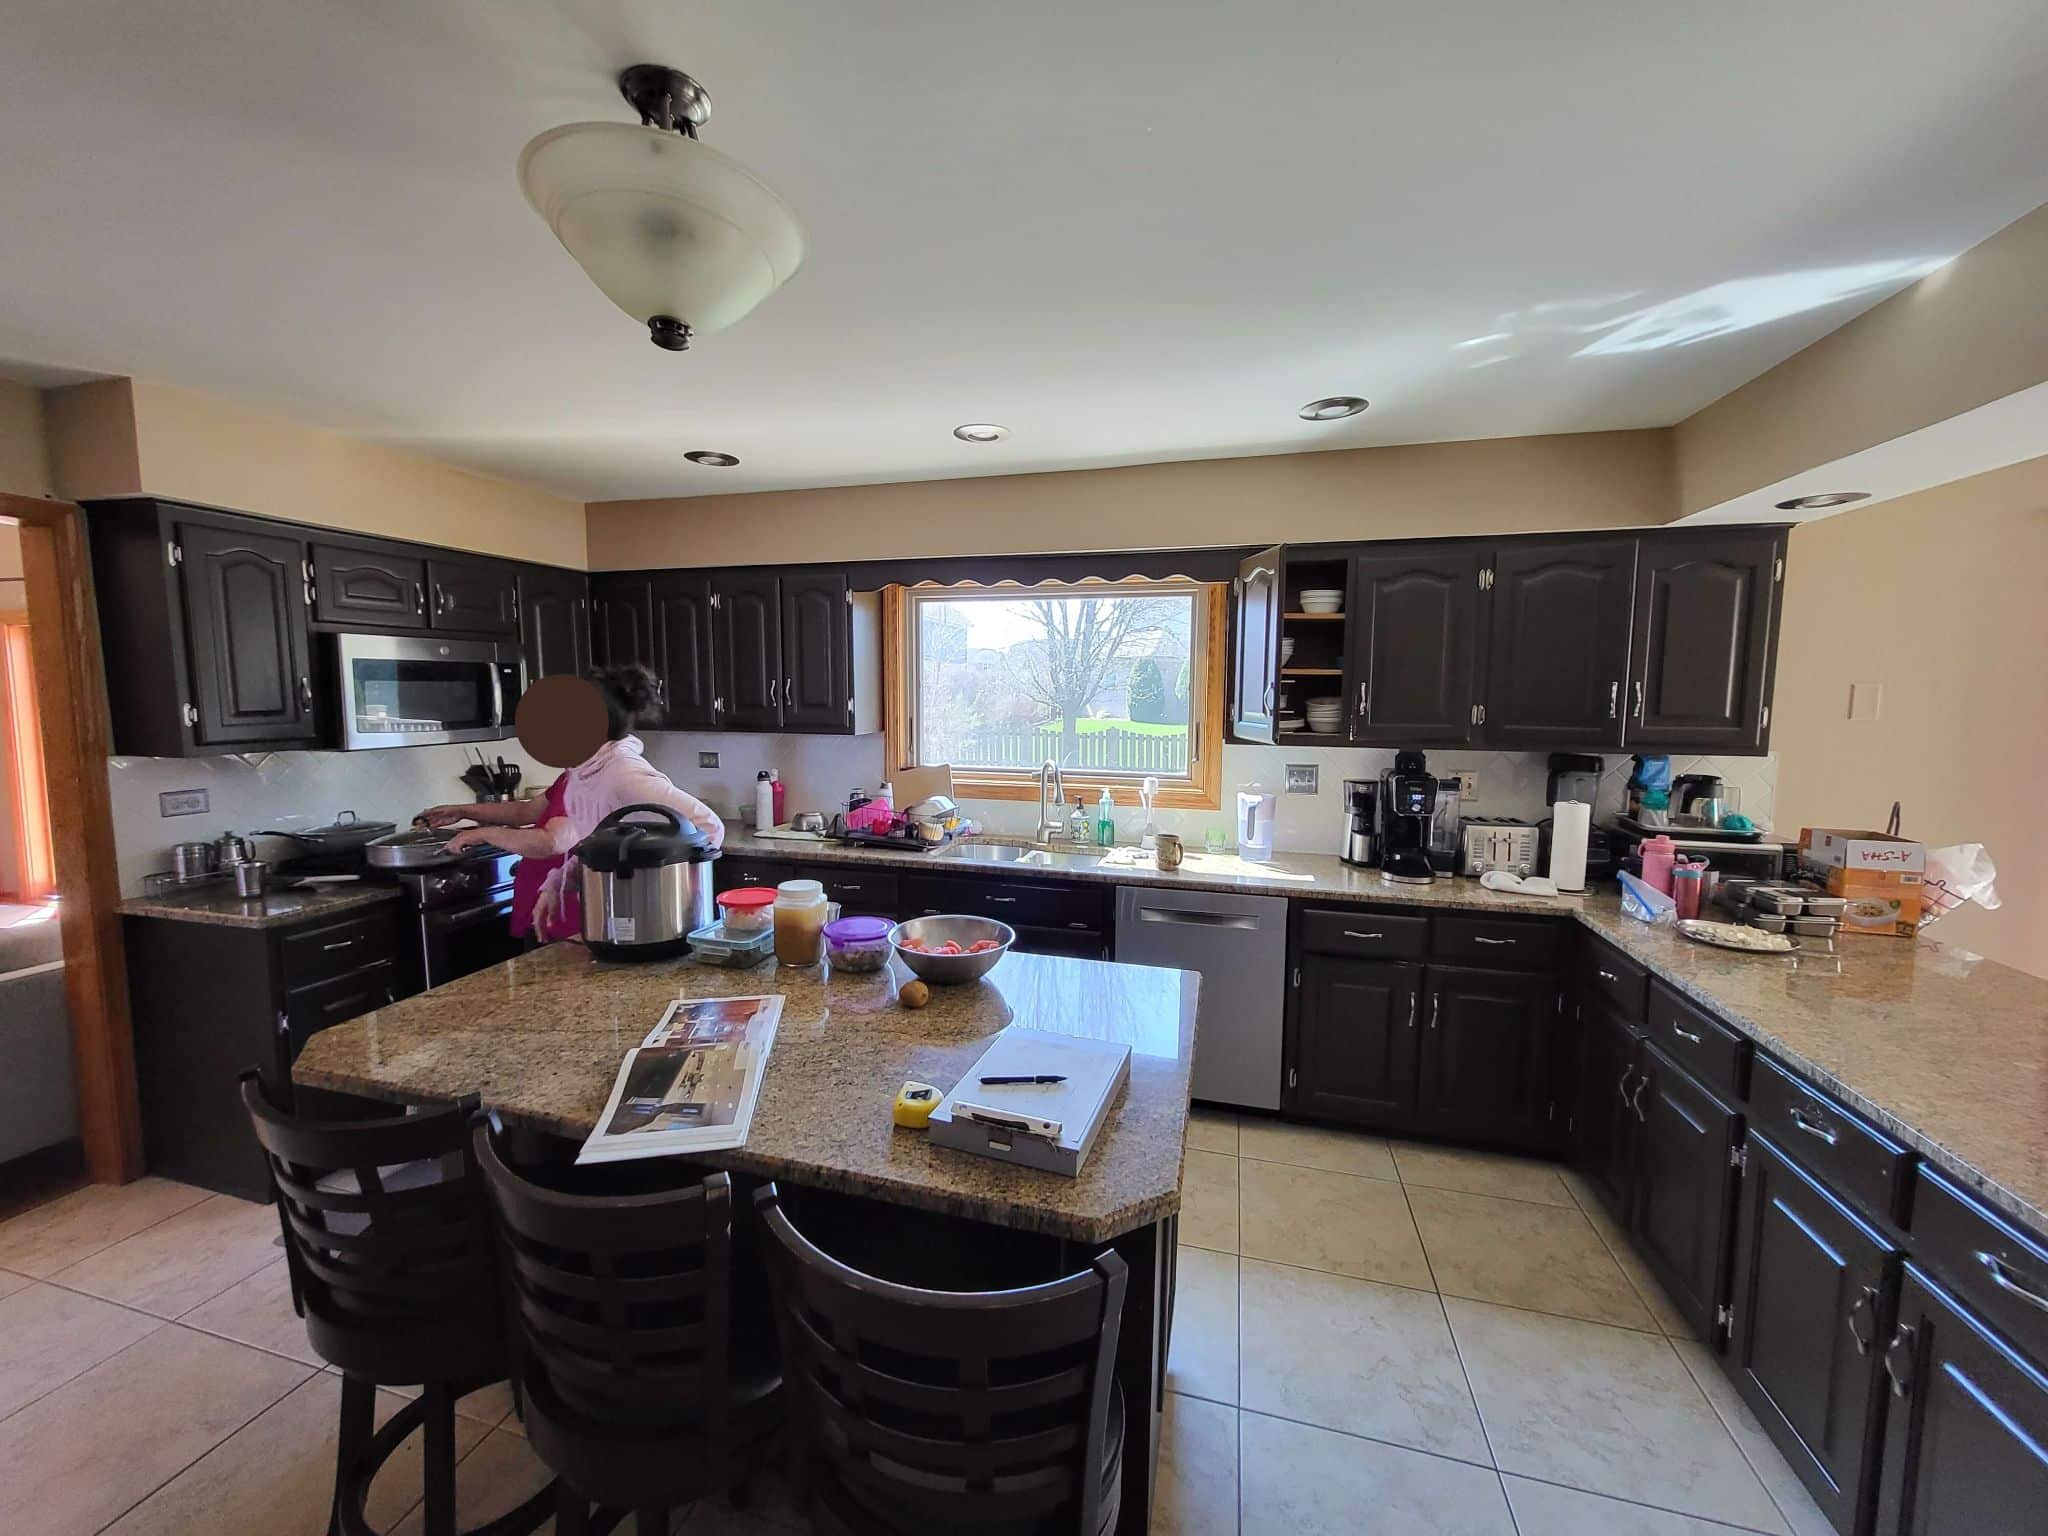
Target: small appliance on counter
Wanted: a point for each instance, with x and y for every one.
(1576, 776)
(1699, 800)
(1359, 842)
(646, 889)
(1255, 812)
(1407, 807)
(1498, 842)
(1446, 821)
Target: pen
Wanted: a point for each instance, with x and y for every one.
(1041, 1077)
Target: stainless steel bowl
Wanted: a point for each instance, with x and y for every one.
(946, 970)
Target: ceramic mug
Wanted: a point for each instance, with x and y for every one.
(1167, 854)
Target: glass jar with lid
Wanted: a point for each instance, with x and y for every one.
(801, 913)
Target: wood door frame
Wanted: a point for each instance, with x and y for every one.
(71, 696)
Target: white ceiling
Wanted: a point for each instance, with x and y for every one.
(1131, 231)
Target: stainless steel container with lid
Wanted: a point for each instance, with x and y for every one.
(646, 888)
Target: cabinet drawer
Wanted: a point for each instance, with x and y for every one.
(858, 890)
(315, 954)
(736, 869)
(1985, 1259)
(1501, 943)
(1702, 1044)
(1615, 979)
(1363, 934)
(1857, 1161)
(1030, 903)
(311, 1009)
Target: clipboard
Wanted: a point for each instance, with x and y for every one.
(1051, 1126)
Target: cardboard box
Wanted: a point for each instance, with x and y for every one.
(1878, 875)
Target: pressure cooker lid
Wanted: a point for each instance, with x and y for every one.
(620, 846)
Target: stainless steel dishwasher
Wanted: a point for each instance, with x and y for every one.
(1239, 945)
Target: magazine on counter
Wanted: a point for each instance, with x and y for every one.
(690, 1086)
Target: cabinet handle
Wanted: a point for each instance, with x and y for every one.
(1610, 976)
(1863, 1319)
(1268, 701)
(788, 691)
(1353, 933)
(1613, 697)
(1813, 1127)
(419, 598)
(1414, 998)
(847, 885)
(339, 944)
(774, 694)
(1480, 938)
(1626, 1073)
(1436, 1007)
(1685, 1034)
(1636, 1100)
(1010, 901)
(306, 691)
(1639, 698)
(1898, 1360)
(1995, 1267)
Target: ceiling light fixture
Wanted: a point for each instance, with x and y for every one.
(1332, 408)
(712, 459)
(682, 238)
(1824, 500)
(981, 432)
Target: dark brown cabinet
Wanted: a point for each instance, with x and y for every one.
(1701, 656)
(747, 632)
(245, 619)
(554, 622)
(1414, 640)
(621, 620)
(1684, 1187)
(356, 585)
(817, 660)
(1966, 1435)
(1811, 1303)
(684, 657)
(1485, 1063)
(472, 597)
(1355, 1032)
(1603, 1115)
(1255, 647)
(1557, 656)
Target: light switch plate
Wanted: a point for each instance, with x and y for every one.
(183, 802)
(1301, 778)
(1866, 700)
(707, 759)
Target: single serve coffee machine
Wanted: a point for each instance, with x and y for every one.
(1407, 806)
(1359, 842)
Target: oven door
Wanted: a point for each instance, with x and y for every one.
(402, 691)
(459, 941)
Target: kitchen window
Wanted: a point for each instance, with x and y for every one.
(1114, 681)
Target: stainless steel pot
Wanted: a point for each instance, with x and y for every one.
(420, 848)
(645, 888)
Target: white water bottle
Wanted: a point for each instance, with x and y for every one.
(764, 802)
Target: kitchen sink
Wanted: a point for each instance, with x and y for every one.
(1033, 855)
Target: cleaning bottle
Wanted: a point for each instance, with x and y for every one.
(778, 796)
(1105, 819)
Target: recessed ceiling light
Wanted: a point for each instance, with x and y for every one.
(981, 432)
(1825, 499)
(712, 460)
(1332, 408)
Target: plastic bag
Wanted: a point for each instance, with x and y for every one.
(1956, 874)
(1645, 902)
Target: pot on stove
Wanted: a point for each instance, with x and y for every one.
(646, 887)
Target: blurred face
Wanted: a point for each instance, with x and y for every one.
(562, 720)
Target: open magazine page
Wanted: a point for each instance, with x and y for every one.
(691, 1084)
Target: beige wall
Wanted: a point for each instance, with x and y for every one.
(1936, 597)
(1973, 332)
(1520, 484)
(123, 436)
(24, 461)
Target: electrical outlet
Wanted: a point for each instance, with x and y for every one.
(1301, 778)
(1468, 783)
(707, 759)
(1866, 701)
(183, 802)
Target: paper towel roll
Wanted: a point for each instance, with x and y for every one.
(1571, 824)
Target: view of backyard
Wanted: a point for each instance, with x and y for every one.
(1092, 682)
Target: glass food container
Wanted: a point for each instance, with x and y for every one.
(747, 909)
(858, 943)
(801, 913)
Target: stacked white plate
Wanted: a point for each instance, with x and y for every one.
(1325, 715)
(1286, 649)
(1322, 600)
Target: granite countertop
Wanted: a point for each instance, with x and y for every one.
(540, 1038)
(215, 902)
(1946, 1050)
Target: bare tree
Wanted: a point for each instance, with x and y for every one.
(1082, 639)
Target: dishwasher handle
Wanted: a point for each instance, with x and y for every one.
(1189, 919)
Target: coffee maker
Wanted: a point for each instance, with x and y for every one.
(1407, 806)
(1359, 842)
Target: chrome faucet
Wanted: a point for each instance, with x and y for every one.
(1050, 780)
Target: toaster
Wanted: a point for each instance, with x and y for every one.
(1493, 842)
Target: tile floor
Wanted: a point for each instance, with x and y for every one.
(1423, 1341)
(1447, 1339)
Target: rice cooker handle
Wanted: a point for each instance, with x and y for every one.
(667, 813)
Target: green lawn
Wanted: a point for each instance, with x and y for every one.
(1096, 727)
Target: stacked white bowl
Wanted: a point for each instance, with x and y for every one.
(1322, 600)
(1326, 715)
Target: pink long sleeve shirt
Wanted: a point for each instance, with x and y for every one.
(617, 775)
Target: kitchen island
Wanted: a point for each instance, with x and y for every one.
(540, 1039)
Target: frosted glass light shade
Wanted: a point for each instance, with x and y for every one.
(664, 225)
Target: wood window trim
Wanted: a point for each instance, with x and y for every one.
(1202, 792)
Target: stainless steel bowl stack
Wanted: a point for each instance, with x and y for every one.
(949, 970)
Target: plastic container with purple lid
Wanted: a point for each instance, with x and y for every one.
(858, 943)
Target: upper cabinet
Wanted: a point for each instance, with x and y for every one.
(621, 619)
(1705, 640)
(473, 597)
(358, 585)
(1414, 629)
(817, 653)
(1255, 670)
(1558, 654)
(684, 657)
(748, 635)
(554, 622)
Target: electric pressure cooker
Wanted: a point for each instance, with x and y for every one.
(645, 888)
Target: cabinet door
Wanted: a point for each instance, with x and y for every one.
(1355, 1029)
(1415, 646)
(683, 651)
(1557, 655)
(748, 627)
(817, 654)
(368, 586)
(475, 597)
(1703, 638)
(554, 608)
(245, 623)
(1685, 1188)
(1810, 1306)
(1966, 1433)
(1486, 1054)
(1255, 662)
(1603, 1119)
(622, 621)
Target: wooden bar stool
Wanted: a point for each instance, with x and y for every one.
(632, 1382)
(390, 1257)
(917, 1410)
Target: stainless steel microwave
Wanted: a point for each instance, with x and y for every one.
(416, 691)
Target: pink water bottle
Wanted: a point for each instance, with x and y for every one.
(1659, 854)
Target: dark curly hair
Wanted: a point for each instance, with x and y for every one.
(631, 694)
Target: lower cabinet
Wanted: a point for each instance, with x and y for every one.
(1355, 1046)
(1685, 1186)
(1812, 1296)
(1966, 1442)
(1484, 1073)
(1603, 1115)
